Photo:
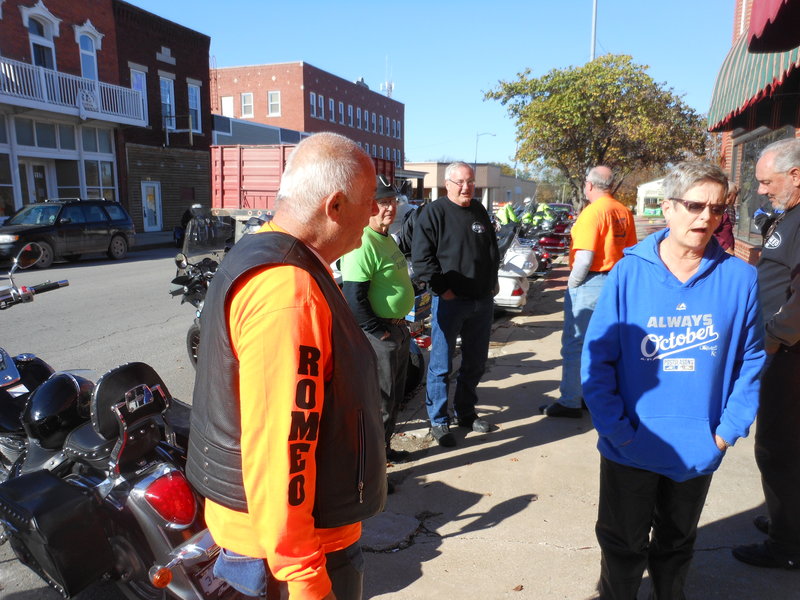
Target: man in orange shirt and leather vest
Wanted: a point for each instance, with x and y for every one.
(286, 438)
(600, 234)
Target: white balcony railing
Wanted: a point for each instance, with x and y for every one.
(26, 85)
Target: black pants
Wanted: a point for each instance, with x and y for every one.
(778, 451)
(392, 356)
(632, 503)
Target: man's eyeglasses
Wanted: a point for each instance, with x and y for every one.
(460, 184)
(698, 207)
(386, 201)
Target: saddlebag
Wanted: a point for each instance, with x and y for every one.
(55, 529)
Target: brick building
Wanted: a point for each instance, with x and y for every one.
(77, 121)
(756, 100)
(302, 97)
(166, 163)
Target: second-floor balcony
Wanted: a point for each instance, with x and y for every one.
(34, 87)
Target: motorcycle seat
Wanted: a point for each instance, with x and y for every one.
(84, 445)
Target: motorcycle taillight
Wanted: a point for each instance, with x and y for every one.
(172, 498)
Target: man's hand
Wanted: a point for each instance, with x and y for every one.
(721, 444)
(447, 295)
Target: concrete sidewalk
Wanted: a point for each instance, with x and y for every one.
(511, 513)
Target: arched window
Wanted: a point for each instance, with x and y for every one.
(42, 48)
(88, 57)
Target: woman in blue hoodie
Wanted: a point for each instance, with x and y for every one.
(670, 375)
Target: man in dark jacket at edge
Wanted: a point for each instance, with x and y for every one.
(778, 422)
(454, 251)
(286, 438)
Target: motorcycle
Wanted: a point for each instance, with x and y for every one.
(207, 240)
(20, 375)
(97, 490)
(518, 263)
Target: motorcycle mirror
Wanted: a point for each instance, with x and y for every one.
(28, 256)
(181, 261)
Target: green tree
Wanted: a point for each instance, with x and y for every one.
(608, 111)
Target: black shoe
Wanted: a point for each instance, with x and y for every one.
(441, 433)
(475, 423)
(762, 523)
(396, 455)
(556, 409)
(389, 487)
(759, 555)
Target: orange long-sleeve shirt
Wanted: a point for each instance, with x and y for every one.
(272, 314)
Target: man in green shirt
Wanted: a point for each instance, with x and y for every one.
(377, 287)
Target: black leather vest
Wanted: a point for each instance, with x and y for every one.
(350, 456)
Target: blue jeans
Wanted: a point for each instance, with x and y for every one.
(472, 319)
(579, 303)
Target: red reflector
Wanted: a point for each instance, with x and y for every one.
(172, 498)
(517, 292)
(423, 341)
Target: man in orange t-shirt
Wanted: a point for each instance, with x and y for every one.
(293, 537)
(600, 234)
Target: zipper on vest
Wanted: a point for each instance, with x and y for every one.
(362, 458)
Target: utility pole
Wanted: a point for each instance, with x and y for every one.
(594, 30)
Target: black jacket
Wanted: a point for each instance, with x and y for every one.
(351, 463)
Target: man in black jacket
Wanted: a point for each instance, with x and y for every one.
(454, 251)
(778, 421)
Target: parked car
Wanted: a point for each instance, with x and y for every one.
(68, 227)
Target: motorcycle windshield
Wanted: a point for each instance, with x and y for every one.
(207, 235)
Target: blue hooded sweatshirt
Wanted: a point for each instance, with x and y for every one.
(666, 364)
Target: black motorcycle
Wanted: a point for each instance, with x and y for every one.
(97, 490)
(22, 374)
(208, 238)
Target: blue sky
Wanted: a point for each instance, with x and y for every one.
(443, 55)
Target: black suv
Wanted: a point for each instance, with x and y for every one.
(68, 227)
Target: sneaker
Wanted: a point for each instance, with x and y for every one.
(760, 555)
(396, 456)
(441, 433)
(556, 409)
(475, 423)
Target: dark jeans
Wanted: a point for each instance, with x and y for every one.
(392, 356)
(632, 503)
(778, 451)
(472, 319)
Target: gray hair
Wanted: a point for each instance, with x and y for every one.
(685, 175)
(457, 165)
(787, 154)
(321, 165)
(598, 181)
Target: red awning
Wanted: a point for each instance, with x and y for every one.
(774, 26)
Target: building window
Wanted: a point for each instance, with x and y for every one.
(350, 115)
(394, 128)
(331, 110)
(42, 48)
(194, 108)
(168, 102)
(274, 104)
(139, 83)
(341, 113)
(381, 150)
(312, 100)
(380, 125)
(227, 106)
(358, 117)
(399, 131)
(374, 153)
(321, 106)
(247, 104)
(374, 124)
(366, 120)
(88, 58)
